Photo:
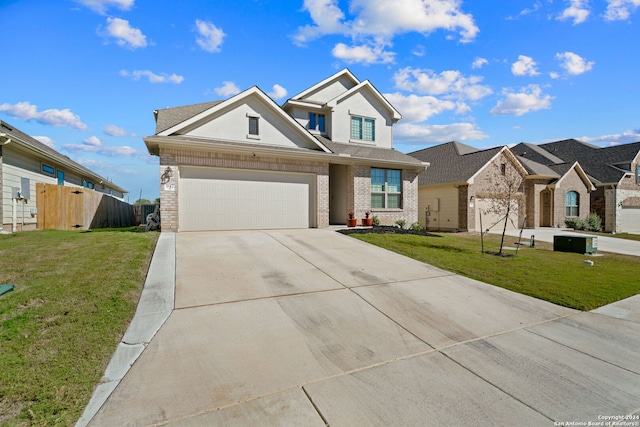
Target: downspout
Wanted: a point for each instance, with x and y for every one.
(7, 139)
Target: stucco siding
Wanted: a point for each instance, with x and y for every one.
(332, 90)
(364, 104)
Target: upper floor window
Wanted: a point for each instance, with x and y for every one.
(573, 204)
(363, 128)
(316, 122)
(386, 188)
(60, 177)
(638, 174)
(253, 125)
(48, 169)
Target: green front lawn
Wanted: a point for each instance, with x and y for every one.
(75, 293)
(558, 277)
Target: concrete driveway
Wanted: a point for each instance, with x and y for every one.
(314, 328)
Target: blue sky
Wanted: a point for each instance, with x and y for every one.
(84, 76)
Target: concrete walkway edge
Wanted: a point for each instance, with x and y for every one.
(155, 305)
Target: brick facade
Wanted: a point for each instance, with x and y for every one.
(570, 182)
(358, 184)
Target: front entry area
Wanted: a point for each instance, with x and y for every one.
(237, 199)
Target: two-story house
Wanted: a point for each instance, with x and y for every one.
(248, 163)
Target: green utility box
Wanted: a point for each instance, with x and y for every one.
(577, 244)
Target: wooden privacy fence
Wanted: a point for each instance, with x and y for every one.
(73, 208)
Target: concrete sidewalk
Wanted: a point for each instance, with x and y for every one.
(605, 243)
(310, 327)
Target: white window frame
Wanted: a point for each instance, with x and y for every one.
(256, 117)
(571, 209)
(362, 137)
(385, 190)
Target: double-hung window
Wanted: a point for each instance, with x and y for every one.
(638, 174)
(316, 122)
(386, 188)
(363, 128)
(573, 203)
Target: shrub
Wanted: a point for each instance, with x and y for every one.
(401, 223)
(416, 226)
(591, 223)
(376, 220)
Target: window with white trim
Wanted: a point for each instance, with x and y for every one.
(363, 128)
(386, 188)
(638, 174)
(253, 125)
(316, 122)
(572, 204)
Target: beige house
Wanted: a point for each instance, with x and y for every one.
(24, 162)
(248, 163)
(465, 189)
(614, 171)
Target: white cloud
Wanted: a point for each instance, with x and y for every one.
(152, 77)
(554, 75)
(615, 139)
(101, 6)
(364, 54)
(524, 66)
(93, 145)
(124, 34)
(111, 167)
(46, 141)
(374, 24)
(574, 64)
(211, 37)
(278, 92)
(416, 108)
(92, 141)
(113, 130)
(479, 62)
(537, 5)
(53, 117)
(578, 11)
(619, 10)
(451, 84)
(527, 100)
(227, 89)
(431, 134)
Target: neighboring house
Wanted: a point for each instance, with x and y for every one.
(614, 171)
(464, 188)
(24, 162)
(248, 163)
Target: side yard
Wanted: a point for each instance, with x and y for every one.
(75, 293)
(558, 277)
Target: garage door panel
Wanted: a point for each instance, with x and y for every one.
(224, 199)
(630, 219)
(495, 221)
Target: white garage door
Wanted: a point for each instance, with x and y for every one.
(493, 220)
(630, 219)
(233, 199)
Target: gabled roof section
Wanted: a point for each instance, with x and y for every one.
(536, 153)
(602, 165)
(169, 117)
(20, 138)
(564, 168)
(452, 162)
(191, 115)
(538, 169)
(342, 73)
(366, 85)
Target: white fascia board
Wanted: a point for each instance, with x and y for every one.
(325, 82)
(303, 104)
(253, 91)
(395, 115)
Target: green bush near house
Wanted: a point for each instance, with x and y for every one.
(591, 223)
(75, 294)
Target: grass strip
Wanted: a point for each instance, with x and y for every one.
(75, 294)
(558, 277)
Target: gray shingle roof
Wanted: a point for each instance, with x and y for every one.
(535, 168)
(599, 163)
(168, 117)
(35, 145)
(369, 153)
(452, 162)
(535, 153)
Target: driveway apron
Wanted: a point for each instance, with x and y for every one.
(314, 328)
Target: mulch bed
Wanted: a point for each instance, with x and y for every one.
(386, 229)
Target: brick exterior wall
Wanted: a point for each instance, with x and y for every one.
(169, 157)
(570, 182)
(466, 213)
(358, 184)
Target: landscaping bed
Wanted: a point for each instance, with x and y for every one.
(386, 229)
